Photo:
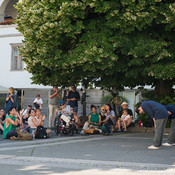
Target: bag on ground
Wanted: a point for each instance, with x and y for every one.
(23, 135)
(41, 133)
(92, 131)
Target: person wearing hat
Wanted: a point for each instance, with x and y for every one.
(124, 106)
(65, 112)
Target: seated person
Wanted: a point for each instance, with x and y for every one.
(103, 116)
(38, 117)
(2, 119)
(94, 121)
(78, 123)
(26, 115)
(123, 119)
(2, 116)
(38, 102)
(124, 105)
(65, 112)
(110, 118)
(11, 123)
(33, 122)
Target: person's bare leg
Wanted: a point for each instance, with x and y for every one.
(124, 124)
(128, 122)
(1, 127)
(48, 131)
(119, 122)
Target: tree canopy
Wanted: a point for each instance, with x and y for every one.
(112, 43)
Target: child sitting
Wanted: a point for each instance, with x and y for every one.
(123, 119)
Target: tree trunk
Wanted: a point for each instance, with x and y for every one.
(164, 87)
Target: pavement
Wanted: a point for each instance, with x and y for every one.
(117, 154)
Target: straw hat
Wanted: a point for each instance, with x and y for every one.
(124, 103)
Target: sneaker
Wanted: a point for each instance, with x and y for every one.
(153, 147)
(167, 144)
(82, 132)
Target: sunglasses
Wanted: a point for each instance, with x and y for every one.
(61, 104)
(103, 109)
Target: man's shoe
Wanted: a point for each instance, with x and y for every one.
(153, 147)
(167, 144)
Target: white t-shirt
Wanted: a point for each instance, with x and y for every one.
(40, 101)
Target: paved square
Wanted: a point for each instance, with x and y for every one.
(117, 154)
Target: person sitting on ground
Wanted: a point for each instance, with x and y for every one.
(124, 106)
(33, 122)
(104, 121)
(2, 116)
(123, 119)
(78, 123)
(103, 116)
(2, 119)
(94, 121)
(25, 116)
(38, 117)
(110, 118)
(38, 102)
(65, 112)
(11, 123)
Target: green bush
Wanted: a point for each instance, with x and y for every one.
(2, 102)
(151, 95)
(145, 119)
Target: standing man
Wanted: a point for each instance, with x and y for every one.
(171, 138)
(53, 105)
(73, 98)
(160, 114)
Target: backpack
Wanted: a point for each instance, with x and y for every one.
(41, 133)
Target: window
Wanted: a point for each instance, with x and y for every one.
(17, 63)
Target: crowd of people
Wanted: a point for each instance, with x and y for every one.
(104, 122)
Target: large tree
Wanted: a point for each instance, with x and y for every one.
(112, 43)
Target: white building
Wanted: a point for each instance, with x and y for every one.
(12, 73)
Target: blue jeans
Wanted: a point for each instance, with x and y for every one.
(32, 130)
(108, 127)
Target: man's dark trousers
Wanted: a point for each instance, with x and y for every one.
(159, 131)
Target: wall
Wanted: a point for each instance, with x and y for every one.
(18, 79)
